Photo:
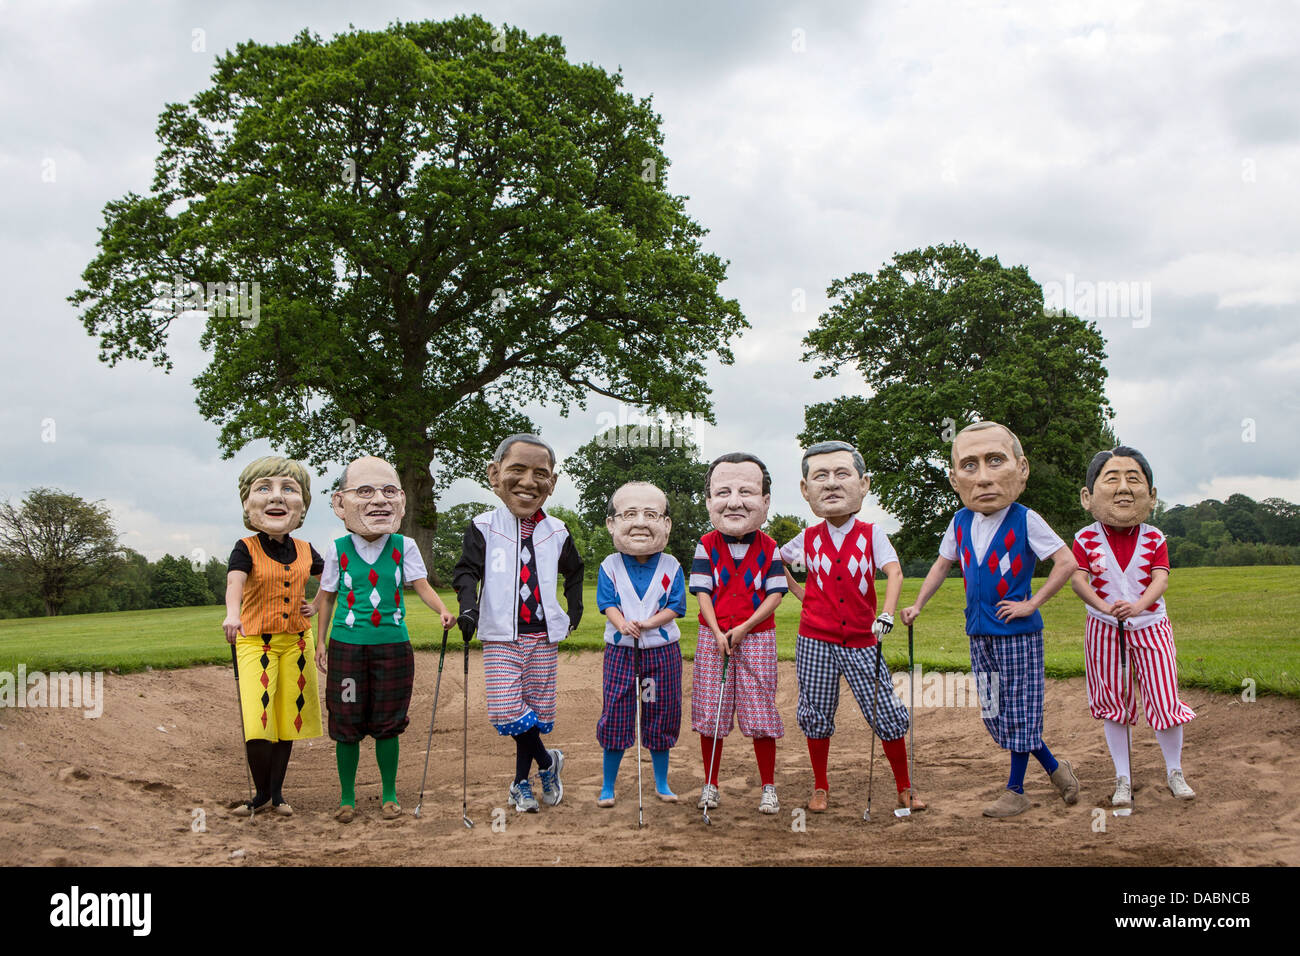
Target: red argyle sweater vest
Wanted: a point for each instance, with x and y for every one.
(738, 589)
(839, 602)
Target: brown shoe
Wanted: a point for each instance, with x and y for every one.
(391, 811)
(1008, 805)
(344, 814)
(916, 802)
(1065, 782)
(818, 802)
(283, 809)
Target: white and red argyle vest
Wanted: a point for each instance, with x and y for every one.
(1113, 583)
(839, 602)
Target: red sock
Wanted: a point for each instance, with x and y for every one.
(765, 751)
(896, 751)
(707, 747)
(819, 749)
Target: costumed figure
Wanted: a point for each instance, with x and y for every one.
(506, 581)
(839, 627)
(368, 661)
(642, 591)
(998, 541)
(1123, 573)
(267, 621)
(739, 580)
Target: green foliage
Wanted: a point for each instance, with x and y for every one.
(450, 537)
(945, 337)
(446, 222)
(783, 527)
(1239, 531)
(600, 466)
(175, 583)
(54, 545)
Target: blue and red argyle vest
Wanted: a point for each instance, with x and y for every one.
(1005, 573)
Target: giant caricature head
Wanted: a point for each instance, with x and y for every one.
(738, 492)
(989, 467)
(523, 474)
(1120, 491)
(834, 480)
(370, 499)
(276, 493)
(638, 519)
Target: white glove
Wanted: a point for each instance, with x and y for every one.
(883, 625)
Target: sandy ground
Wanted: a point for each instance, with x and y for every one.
(150, 781)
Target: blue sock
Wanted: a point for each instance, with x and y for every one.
(612, 760)
(659, 760)
(1019, 763)
(1044, 756)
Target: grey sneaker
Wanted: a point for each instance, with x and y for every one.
(769, 803)
(552, 789)
(1178, 786)
(521, 797)
(1123, 795)
(709, 797)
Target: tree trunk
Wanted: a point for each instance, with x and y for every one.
(421, 518)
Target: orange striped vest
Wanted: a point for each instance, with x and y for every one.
(274, 591)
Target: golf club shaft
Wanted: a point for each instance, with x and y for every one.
(437, 689)
(243, 733)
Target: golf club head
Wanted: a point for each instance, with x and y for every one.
(416, 811)
(469, 824)
(706, 818)
(866, 815)
(1123, 812)
(903, 812)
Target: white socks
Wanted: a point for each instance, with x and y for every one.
(1116, 740)
(1170, 740)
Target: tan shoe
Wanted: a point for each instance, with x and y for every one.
(344, 814)
(818, 802)
(1065, 782)
(605, 802)
(391, 810)
(916, 802)
(283, 809)
(667, 797)
(1008, 804)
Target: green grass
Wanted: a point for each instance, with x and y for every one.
(1230, 624)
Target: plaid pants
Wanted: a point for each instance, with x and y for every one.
(1011, 667)
(661, 698)
(750, 694)
(521, 687)
(819, 665)
(378, 693)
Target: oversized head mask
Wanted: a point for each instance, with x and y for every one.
(371, 503)
(737, 499)
(639, 524)
(524, 476)
(833, 486)
(1119, 492)
(275, 493)
(989, 468)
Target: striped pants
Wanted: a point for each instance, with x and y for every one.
(521, 688)
(1152, 655)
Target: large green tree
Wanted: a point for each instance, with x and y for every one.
(56, 545)
(945, 337)
(667, 457)
(445, 221)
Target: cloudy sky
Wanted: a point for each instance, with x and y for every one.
(1155, 145)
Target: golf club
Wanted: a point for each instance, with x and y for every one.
(875, 694)
(911, 727)
(636, 688)
(717, 724)
(234, 659)
(1128, 728)
(464, 764)
(428, 747)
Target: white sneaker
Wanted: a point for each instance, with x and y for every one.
(1178, 786)
(709, 797)
(769, 803)
(1123, 795)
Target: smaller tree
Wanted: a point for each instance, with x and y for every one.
(56, 544)
(449, 538)
(671, 463)
(175, 583)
